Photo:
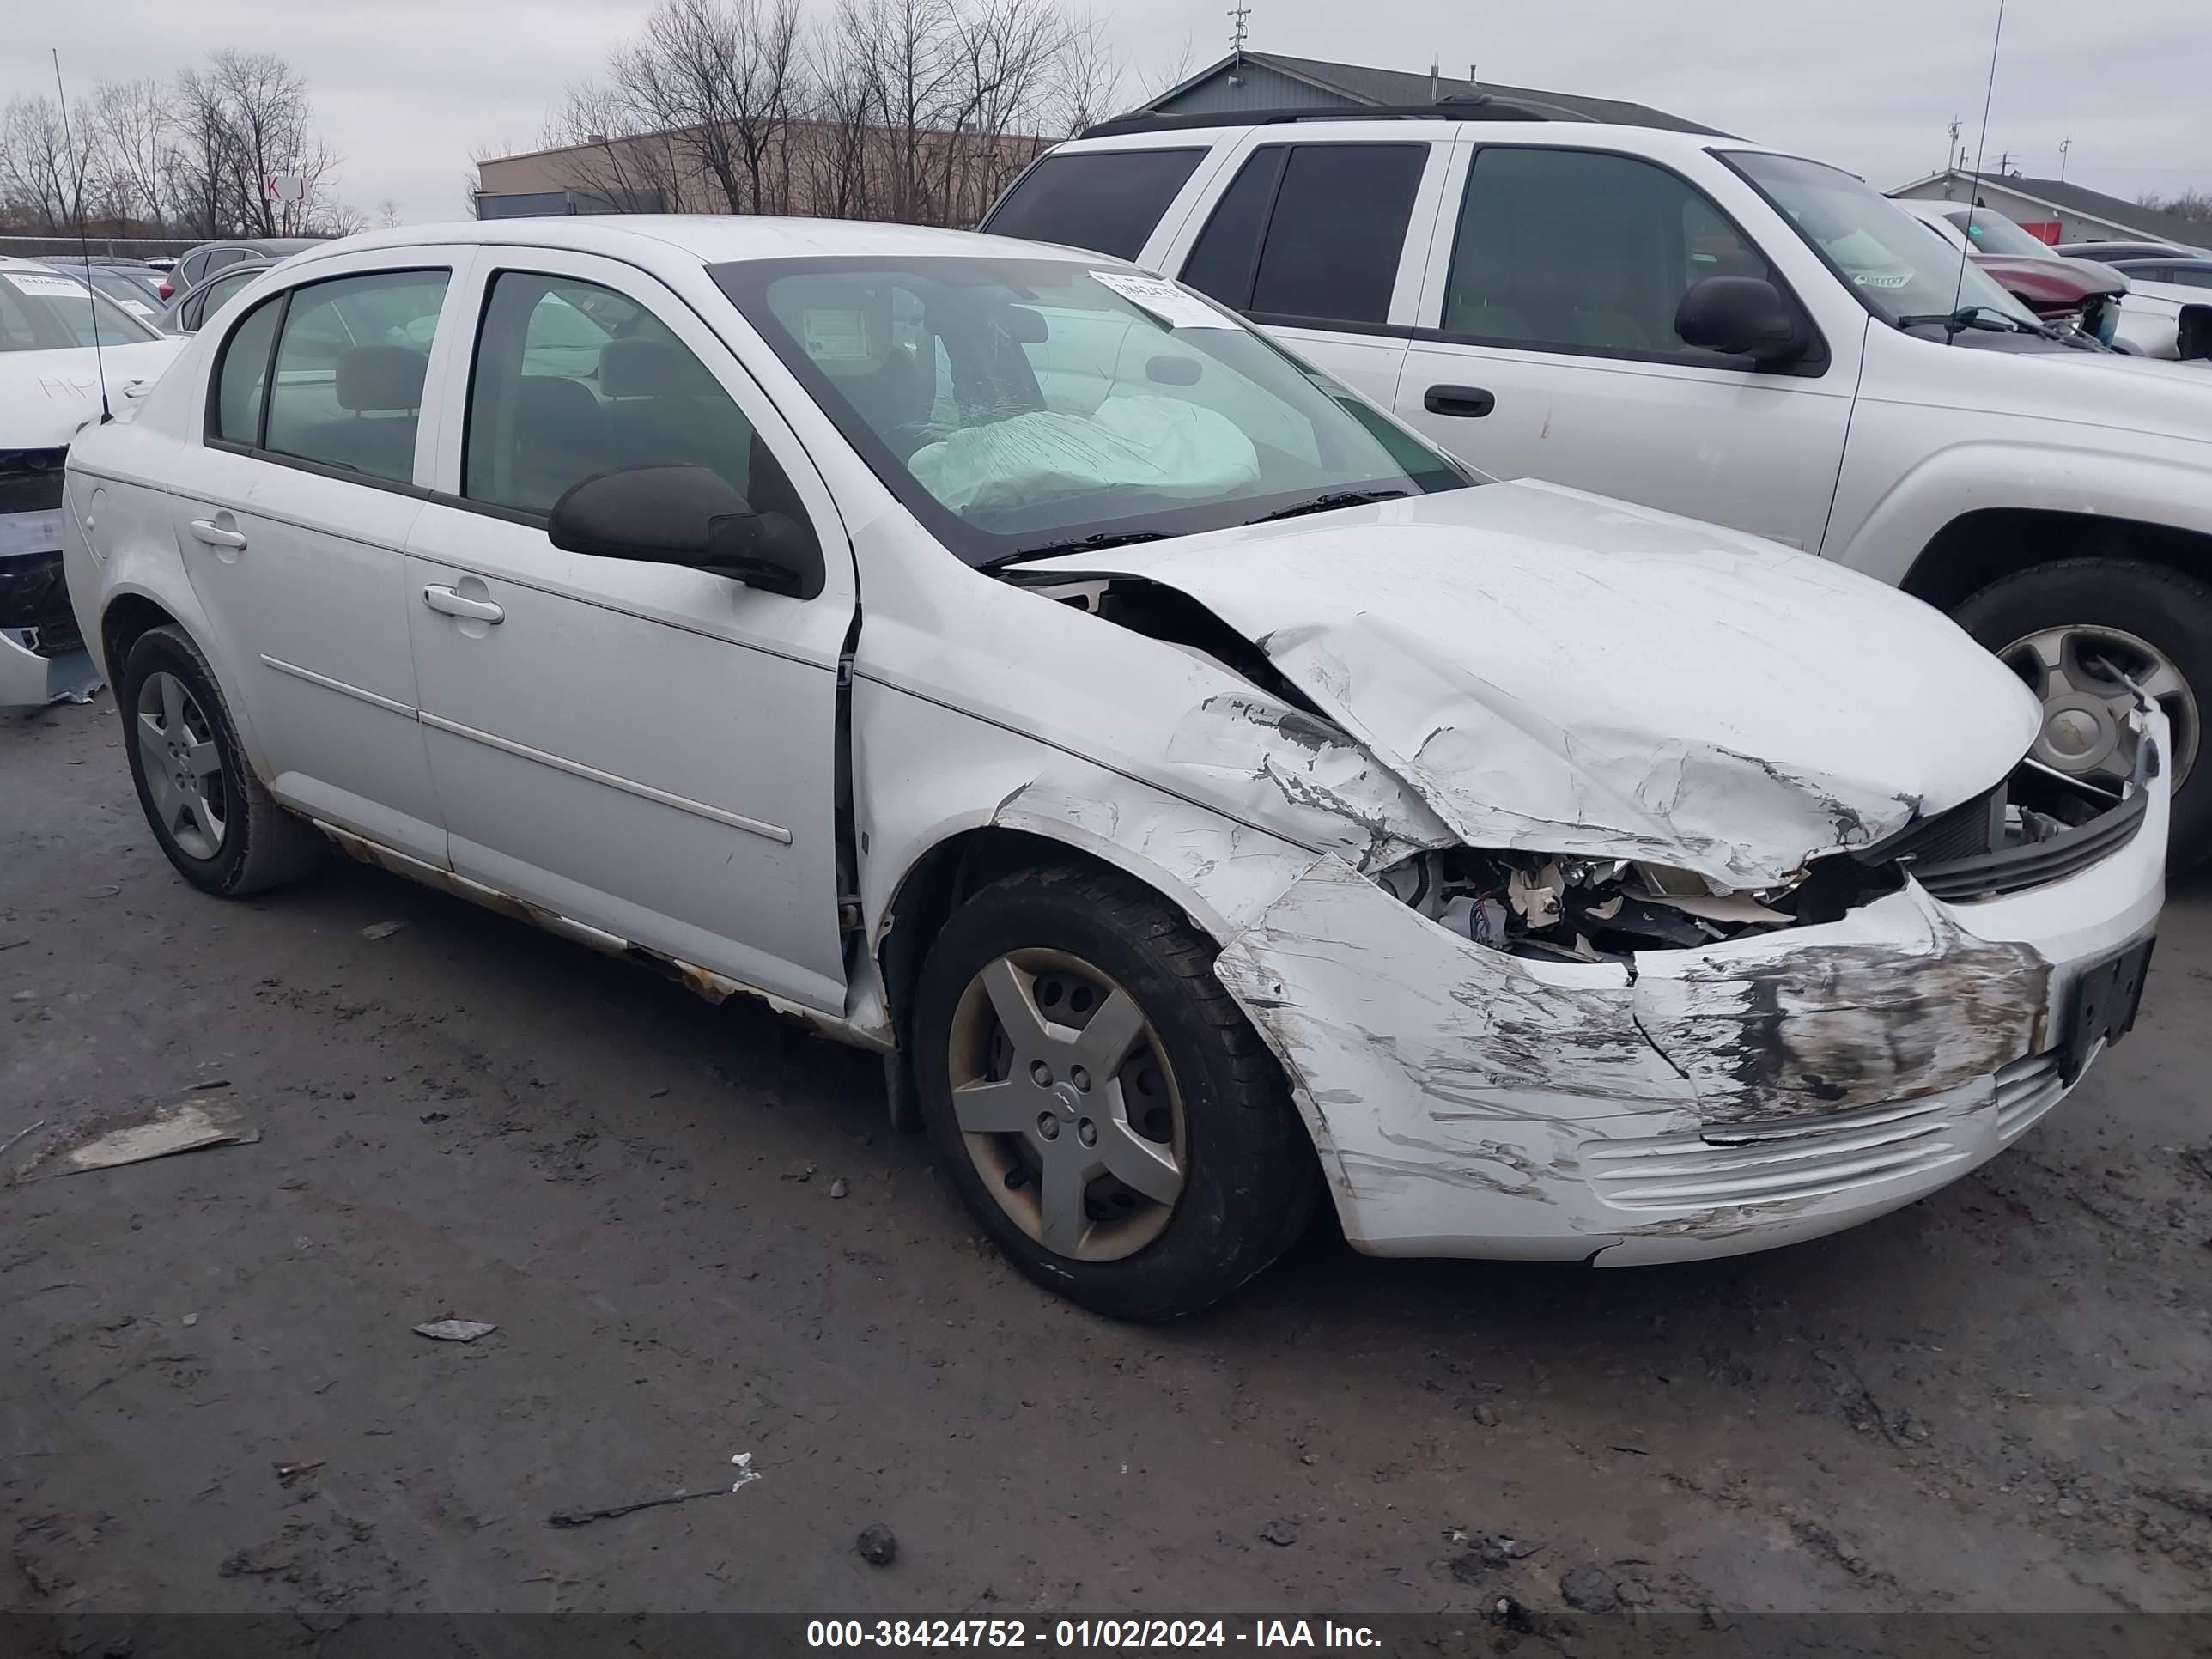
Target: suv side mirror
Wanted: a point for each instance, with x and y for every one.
(1743, 317)
(687, 515)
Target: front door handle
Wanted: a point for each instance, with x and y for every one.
(460, 605)
(217, 535)
(1468, 402)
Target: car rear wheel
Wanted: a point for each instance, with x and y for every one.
(221, 828)
(1100, 1104)
(2077, 632)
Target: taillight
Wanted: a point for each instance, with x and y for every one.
(167, 288)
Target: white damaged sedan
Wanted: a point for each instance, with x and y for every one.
(1210, 799)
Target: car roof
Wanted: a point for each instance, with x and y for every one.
(709, 238)
(1352, 126)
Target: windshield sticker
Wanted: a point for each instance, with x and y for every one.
(48, 285)
(837, 337)
(1163, 300)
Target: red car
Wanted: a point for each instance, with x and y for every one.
(2056, 288)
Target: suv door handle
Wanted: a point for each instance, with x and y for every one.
(1468, 402)
(456, 605)
(215, 535)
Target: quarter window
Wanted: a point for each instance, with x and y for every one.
(1579, 251)
(1107, 200)
(243, 377)
(1311, 233)
(347, 391)
(573, 379)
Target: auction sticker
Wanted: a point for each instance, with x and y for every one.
(47, 284)
(1164, 301)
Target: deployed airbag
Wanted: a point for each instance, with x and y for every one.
(1136, 442)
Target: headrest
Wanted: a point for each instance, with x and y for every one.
(378, 378)
(651, 368)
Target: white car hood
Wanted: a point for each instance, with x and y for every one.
(47, 396)
(1552, 671)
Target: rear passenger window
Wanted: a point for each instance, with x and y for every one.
(572, 378)
(243, 377)
(350, 369)
(1579, 251)
(1311, 232)
(1105, 200)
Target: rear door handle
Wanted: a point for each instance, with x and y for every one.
(215, 535)
(1468, 402)
(458, 605)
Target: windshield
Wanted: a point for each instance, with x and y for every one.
(46, 311)
(1895, 267)
(1017, 405)
(1990, 232)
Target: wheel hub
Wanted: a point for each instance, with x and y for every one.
(1066, 1105)
(2088, 678)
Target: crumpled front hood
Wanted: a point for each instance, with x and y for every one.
(1555, 671)
(47, 396)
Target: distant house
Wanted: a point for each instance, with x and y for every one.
(2055, 211)
(1270, 81)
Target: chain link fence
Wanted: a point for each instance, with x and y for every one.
(103, 247)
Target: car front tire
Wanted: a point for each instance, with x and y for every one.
(1100, 1104)
(2069, 629)
(221, 829)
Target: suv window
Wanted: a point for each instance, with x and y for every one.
(348, 390)
(1104, 199)
(1310, 233)
(573, 379)
(1581, 251)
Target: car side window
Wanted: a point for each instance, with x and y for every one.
(1580, 250)
(217, 296)
(1109, 200)
(242, 376)
(1311, 233)
(573, 379)
(350, 362)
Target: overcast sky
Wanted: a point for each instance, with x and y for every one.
(405, 90)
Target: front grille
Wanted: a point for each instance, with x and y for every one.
(2027, 1089)
(1771, 1162)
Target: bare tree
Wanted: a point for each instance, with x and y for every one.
(265, 102)
(1089, 80)
(2193, 206)
(131, 124)
(608, 152)
(46, 166)
(387, 214)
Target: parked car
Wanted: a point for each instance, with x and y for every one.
(134, 286)
(56, 338)
(2071, 293)
(195, 305)
(1208, 795)
(2110, 253)
(1719, 329)
(2185, 273)
(194, 266)
(2166, 319)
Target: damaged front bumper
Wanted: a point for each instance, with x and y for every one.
(1689, 1102)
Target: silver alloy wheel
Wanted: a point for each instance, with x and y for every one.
(1067, 1105)
(183, 767)
(2075, 670)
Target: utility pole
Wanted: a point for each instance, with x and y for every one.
(2064, 144)
(1951, 156)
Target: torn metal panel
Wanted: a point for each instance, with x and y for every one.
(1525, 661)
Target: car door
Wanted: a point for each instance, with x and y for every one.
(648, 749)
(1323, 244)
(293, 520)
(1546, 346)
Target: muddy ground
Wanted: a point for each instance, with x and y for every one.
(1994, 1400)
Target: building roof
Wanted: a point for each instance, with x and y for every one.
(1397, 88)
(2150, 224)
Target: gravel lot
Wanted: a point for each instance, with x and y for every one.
(697, 1239)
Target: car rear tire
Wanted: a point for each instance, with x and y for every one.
(221, 829)
(2063, 626)
(1100, 1104)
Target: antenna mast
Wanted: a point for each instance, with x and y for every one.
(84, 245)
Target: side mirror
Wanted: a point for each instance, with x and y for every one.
(1743, 317)
(687, 515)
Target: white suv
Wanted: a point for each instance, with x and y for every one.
(1204, 792)
(1702, 324)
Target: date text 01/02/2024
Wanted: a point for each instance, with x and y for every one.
(1086, 1633)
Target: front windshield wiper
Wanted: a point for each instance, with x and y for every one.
(1987, 317)
(1328, 503)
(1074, 544)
